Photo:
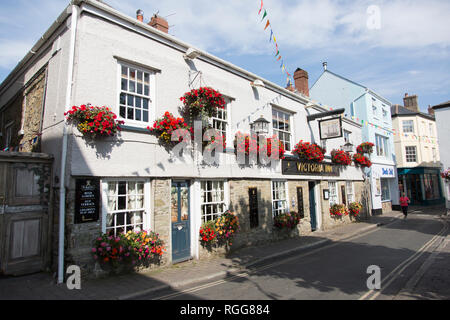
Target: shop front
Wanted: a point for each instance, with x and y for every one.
(385, 195)
(421, 185)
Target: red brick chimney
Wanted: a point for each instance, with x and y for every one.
(159, 23)
(411, 102)
(140, 15)
(301, 81)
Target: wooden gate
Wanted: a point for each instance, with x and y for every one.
(25, 212)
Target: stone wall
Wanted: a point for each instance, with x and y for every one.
(161, 214)
(34, 103)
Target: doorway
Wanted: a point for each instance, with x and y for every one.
(180, 215)
(312, 205)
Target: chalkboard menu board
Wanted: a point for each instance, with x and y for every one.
(253, 202)
(87, 200)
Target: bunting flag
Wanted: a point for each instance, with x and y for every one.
(272, 36)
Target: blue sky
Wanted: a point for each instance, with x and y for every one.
(410, 52)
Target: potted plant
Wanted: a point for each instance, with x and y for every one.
(94, 122)
(365, 147)
(287, 221)
(112, 252)
(208, 234)
(341, 157)
(227, 225)
(201, 103)
(338, 210)
(355, 208)
(446, 175)
(164, 127)
(309, 151)
(361, 161)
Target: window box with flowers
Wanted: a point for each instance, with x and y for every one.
(309, 151)
(341, 157)
(286, 221)
(365, 147)
(361, 161)
(338, 210)
(243, 143)
(94, 122)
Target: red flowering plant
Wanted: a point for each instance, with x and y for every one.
(112, 250)
(339, 210)
(94, 121)
(309, 151)
(266, 148)
(202, 103)
(341, 157)
(361, 161)
(243, 143)
(208, 234)
(446, 175)
(213, 140)
(354, 208)
(365, 147)
(164, 127)
(146, 247)
(286, 220)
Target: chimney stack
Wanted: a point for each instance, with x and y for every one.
(430, 110)
(159, 23)
(301, 81)
(140, 15)
(411, 102)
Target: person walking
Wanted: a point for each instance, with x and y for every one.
(404, 201)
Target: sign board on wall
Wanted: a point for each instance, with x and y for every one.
(87, 200)
(297, 167)
(330, 128)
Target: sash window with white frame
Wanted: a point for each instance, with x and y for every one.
(279, 198)
(127, 206)
(136, 91)
(219, 119)
(350, 192)
(213, 202)
(334, 199)
(281, 122)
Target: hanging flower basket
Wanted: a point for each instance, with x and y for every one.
(243, 143)
(94, 122)
(287, 221)
(164, 127)
(361, 161)
(202, 103)
(341, 157)
(246, 144)
(355, 208)
(339, 210)
(365, 147)
(446, 175)
(309, 151)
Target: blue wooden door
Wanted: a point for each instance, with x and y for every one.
(180, 214)
(312, 205)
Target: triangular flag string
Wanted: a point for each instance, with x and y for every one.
(272, 36)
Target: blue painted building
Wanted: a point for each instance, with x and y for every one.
(373, 111)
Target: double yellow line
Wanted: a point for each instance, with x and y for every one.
(373, 294)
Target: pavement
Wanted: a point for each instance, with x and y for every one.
(42, 286)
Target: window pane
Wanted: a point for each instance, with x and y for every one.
(124, 84)
(145, 104)
(130, 114)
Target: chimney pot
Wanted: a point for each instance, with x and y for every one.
(159, 23)
(301, 81)
(325, 64)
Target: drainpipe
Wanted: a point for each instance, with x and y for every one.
(62, 188)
